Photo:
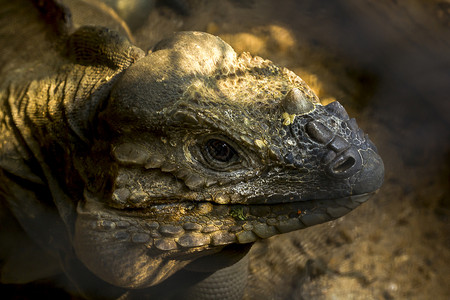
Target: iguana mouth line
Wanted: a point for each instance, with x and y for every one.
(257, 201)
(178, 226)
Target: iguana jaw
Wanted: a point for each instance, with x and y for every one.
(180, 225)
(140, 248)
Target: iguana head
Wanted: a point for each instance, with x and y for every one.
(209, 149)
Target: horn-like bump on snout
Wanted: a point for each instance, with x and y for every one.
(296, 103)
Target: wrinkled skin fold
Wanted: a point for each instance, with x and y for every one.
(145, 163)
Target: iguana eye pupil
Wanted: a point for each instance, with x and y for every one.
(220, 150)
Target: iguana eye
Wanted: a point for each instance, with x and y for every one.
(220, 151)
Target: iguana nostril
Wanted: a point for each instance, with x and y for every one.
(345, 164)
(319, 132)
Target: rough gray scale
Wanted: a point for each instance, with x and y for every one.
(209, 228)
(121, 235)
(137, 197)
(246, 237)
(104, 225)
(155, 161)
(282, 217)
(247, 226)
(352, 204)
(152, 225)
(131, 154)
(264, 231)
(272, 221)
(360, 198)
(314, 219)
(182, 173)
(122, 224)
(289, 225)
(140, 237)
(171, 230)
(218, 223)
(155, 234)
(235, 228)
(192, 227)
(169, 167)
(122, 179)
(222, 238)
(194, 182)
(121, 195)
(193, 240)
(165, 244)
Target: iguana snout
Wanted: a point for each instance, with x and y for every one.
(344, 158)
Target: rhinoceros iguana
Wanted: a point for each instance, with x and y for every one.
(151, 174)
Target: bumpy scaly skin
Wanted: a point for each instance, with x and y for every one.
(171, 156)
(171, 199)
